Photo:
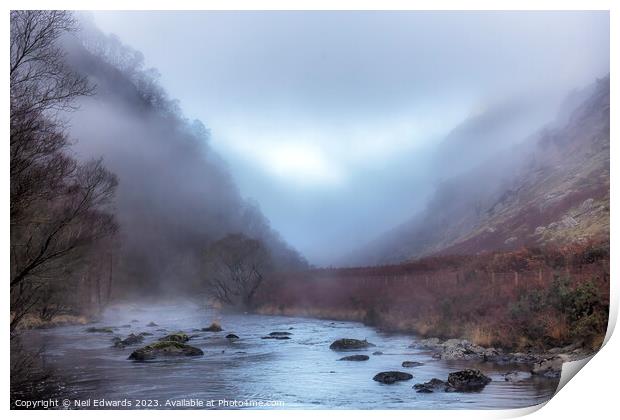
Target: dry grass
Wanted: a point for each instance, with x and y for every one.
(31, 321)
(480, 335)
(491, 300)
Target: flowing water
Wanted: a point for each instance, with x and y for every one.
(298, 373)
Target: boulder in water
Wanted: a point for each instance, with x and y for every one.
(232, 336)
(350, 344)
(179, 337)
(551, 368)
(377, 353)
(276, 337)
(279, 333)
(392, 376)
(214, 327)
(164, 349)
(410, 364)
(107, 330)
(430, 386)
(152, 324)
(131, 340)
(516, 376)
(468, 380)
(355, 358)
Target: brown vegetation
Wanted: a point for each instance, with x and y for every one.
(234, 269)
(61, 221)
(527, 298)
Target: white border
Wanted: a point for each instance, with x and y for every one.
(594, 391)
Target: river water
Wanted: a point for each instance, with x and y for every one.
(298, 373)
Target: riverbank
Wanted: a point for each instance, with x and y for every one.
(32, 321)
(544, 362)
(529, 300)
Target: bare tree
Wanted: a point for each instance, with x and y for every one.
(41, 85)
(234, 269)
(40, 78)
(59, 207)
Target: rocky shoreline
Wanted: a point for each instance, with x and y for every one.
(542, 363)
(548, 364)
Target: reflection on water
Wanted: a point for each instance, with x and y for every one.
(302, 372)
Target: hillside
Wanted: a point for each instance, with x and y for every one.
(175, 194)
(552, 189)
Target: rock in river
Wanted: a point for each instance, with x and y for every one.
(355, 358)
(164, 349)
(129, 341)
(392, 376)
(152, 324)
(279, 333)
(468, 380)
(232, 336)
(409, 364)
(179, 337)
(430, 386)
(350, 344)
(107, 330)
(548, 367)
(457, 349)
(516, 376)
(214, 327)
(276, 337)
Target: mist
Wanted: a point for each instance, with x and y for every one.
(254, 192)
(326, 117)
(175, 193)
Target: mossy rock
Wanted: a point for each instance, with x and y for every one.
(107, 330)
(350, 344)
(164, 349)
(179, 337)
(131, 340)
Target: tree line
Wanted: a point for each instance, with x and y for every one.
(66, 243)
(60, 209)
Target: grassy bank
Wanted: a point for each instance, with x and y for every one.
(530, 299)
(33, 321)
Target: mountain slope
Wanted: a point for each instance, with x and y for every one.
(175, 194)
(553, 189)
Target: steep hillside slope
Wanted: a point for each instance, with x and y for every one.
(175, 194)
(552, 189)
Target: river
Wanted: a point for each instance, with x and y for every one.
(299, 373)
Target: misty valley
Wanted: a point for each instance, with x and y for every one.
(453, 254)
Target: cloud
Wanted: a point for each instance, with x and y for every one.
(322, 115)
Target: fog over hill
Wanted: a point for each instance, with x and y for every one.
(175, 194)
(552, 188)
(341, 124)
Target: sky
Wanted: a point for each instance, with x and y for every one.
(331, 121)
